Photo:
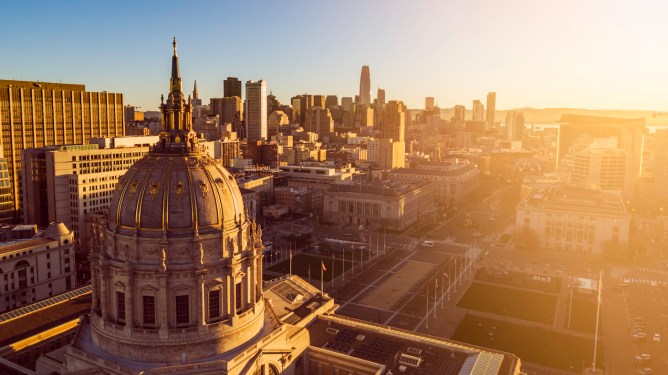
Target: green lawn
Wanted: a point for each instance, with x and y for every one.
(583, 316)
(515, 303)
(302, 262)
(531, 344)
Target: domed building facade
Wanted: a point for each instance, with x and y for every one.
(178, 267)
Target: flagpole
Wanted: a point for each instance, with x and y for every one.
(427, 312)
(435, 298)
(332, 286)
(322, 278)
(290, 261)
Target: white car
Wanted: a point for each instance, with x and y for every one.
(428, 243)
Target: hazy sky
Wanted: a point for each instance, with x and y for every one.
(567, 53)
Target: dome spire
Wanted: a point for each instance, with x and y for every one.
(177, 134)
(176, 75)
(195, 92)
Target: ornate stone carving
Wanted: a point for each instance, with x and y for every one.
(203, 187)
(179, 189)
(133, 187)
(120, 183)
(201, 253)
(163, 260)
(153, 190)
(150, 250)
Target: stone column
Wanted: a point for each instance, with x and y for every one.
(104, 294)
(201, 299)
(162, 303)
(93, 284)
(129, 302)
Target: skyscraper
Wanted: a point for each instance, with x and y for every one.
(365, 86)
(380, 96)
(256, 110)
(514, 125)
(478, 111)
(331, 101)
(429, 103)
(394, 123)
(491, 109)
(232, 87)
(38, 114)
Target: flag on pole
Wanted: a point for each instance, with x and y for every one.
(446, 275)
(322, 264)
(436, 283)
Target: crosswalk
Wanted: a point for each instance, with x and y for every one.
(450, 243)
(653, 270)
(631, 280)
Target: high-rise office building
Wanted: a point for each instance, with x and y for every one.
(478, 111)
(491, 110)
(629, 134)
(365, 86)
(394, 121)
(65, 183)
(514, 125)
(256, 110)
(429, 103)
(380, 96)
(331, 101)
(231, 87)
(347, 103)
(38, 114)
(319, 101)
(319, 121)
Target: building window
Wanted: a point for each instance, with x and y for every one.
(182, 310)
(149, 309)
(214, 304)
(237, 296)
(120, 307)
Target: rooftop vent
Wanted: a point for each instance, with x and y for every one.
(410, 360)
(414, 351)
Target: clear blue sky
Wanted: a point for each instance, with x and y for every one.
(588, 54)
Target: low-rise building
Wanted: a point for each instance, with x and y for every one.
(395, 205)
(572, 220)
(300, 199)
(453, 182)
(35, 267)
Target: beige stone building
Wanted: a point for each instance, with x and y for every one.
(386, 154)
(452, 183)
(573, 220)
(37, 267)
(394, 205)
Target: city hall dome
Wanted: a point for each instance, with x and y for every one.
(177, 267)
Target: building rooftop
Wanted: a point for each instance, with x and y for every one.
(570, 198)
(452, 171)
(405, 352)
(7, 247)
(40, 316)
(391, 189)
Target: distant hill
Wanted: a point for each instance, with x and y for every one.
(552, 115)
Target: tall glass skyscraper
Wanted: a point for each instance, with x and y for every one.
(365, 86)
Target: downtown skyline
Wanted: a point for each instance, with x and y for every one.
(598, 55)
